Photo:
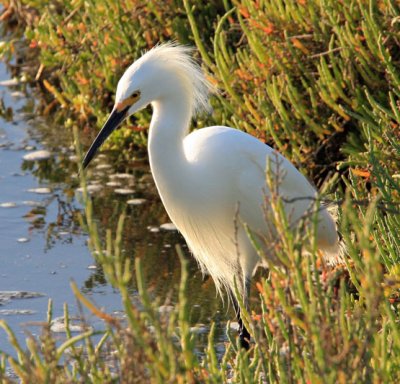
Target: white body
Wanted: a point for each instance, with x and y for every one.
(215, 174)
(205, 178)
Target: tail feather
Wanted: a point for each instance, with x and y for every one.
(334, 255)
(332, 246)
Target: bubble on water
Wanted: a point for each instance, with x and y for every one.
(123, 176)
(74, 325)
(136, 201)
(92, 267)
(22, 240)
(124, 191)
(113, 184)
(17, 94)
(103, 167)
(40, 190)
(91, 188)
(37, 155)
(168, 227)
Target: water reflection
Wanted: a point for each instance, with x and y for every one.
(143, 237)
(43, 245)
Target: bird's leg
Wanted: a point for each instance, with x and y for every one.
(244, 335)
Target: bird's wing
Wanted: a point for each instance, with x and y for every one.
(285, 181)
(235, 164)
(267, 174)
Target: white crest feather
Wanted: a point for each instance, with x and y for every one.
(180, 58)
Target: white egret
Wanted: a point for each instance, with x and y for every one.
(204, 176)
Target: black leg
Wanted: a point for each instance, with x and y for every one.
(244, 335)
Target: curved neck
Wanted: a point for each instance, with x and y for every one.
(169, 126)
(170, 121)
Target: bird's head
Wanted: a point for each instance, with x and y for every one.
(162, 73)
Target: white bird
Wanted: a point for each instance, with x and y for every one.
(208, 177)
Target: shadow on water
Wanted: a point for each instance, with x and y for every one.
(42, 244)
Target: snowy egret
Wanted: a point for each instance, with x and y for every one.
(209, 177)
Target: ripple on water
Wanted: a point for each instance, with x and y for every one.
(8, 204)
(6, 296)
(6, 145)
(12, 312)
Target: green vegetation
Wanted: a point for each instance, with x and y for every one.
(317, 79)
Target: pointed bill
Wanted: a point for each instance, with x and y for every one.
(115, 119)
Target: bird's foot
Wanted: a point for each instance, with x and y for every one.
(244, 338)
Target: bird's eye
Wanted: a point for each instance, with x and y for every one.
(135, 95)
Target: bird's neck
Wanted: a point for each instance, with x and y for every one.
(169, 126)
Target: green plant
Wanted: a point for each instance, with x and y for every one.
(317, 79)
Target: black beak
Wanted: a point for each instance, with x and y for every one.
(113, 122)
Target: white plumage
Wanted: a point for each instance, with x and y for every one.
(205, 178)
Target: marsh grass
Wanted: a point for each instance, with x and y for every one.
(319, 80)
(307, 323)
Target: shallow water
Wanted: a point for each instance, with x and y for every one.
(42, 246)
